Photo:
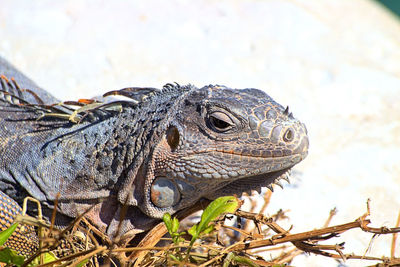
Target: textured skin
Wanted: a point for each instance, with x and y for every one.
(160, 153)
(24, 239)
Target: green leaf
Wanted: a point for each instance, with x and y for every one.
(221, 205)
(168, 222)
(193, 230)
(4, 235)
(175, 225)
(173, 257)
(82, 263)
(172, 227)
(244, 261)
(209, 229)
(11, 257)
(48, 257)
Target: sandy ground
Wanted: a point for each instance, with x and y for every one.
(335, 63)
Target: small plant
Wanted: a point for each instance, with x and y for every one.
(222, 205)
(11, 257)
(8, 255)
(172, 225)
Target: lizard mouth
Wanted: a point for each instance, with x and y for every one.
(255, 168)
(300, 152)
(271, 178)
(255, 183)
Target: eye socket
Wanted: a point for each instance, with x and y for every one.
(220, 122)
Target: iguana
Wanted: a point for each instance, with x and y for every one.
(161, 150)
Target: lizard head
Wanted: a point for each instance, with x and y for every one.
(222, 141)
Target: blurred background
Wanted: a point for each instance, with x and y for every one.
(335, 63)
(392, 5)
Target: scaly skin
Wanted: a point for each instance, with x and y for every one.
(160, 152)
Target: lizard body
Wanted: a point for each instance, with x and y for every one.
(160, 151)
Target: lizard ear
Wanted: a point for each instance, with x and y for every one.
(164, 193)
(173, 136)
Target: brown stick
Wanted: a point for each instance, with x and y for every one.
(393, 247)
(296, 237)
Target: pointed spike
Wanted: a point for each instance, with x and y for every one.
(3, 81)
(286, 178)
(170, 85)
(270, 187)
(37, 98)
(258, 190)
(286, 112)
(278, 183)
(3, 77)
(17, 87)
(135, 93)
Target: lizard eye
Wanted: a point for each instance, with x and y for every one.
(220, 122)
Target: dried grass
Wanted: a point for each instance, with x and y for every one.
(252, 236)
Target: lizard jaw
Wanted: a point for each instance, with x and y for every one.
(253, 183)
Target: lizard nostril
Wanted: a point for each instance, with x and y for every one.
(288, 135)
(164, 193)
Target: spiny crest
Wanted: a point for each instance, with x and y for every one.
(77, 111)
(11, 92)
(141, 94)
(170, 86)
(138, 94)
(287, 113)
